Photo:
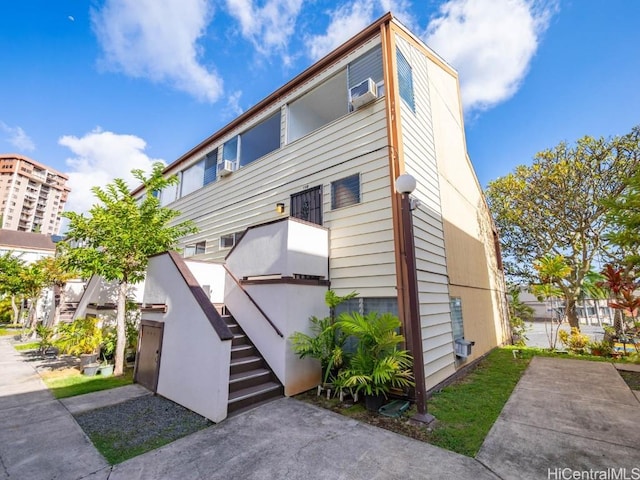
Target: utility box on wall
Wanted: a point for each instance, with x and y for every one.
(463, 348)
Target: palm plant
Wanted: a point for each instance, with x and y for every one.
(325, 344)
(377, 364)
(326, 341)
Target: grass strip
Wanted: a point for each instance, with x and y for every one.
(467, 409)
(27, 346)
(5, 332)
(77, 384)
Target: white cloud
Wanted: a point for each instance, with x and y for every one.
(346, 21)
(401, 9)
(233, 103)
(491, 43)
(98, 158)
(17, 137)
(269, 26)
(158, 40)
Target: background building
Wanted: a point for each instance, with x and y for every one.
(33, 195)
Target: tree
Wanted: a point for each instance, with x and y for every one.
(556, 206)
(553, 271)
(32, 282)
(624, 215)
(10, 268)
(57, 273)
(120, 233)
(519, 314)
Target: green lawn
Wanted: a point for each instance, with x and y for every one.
(4, 332)
(77, 384)
(467, 409)
(27, 346)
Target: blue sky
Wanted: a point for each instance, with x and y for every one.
(97, 88)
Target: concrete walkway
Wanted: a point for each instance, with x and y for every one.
(563, 414)
(39, 439)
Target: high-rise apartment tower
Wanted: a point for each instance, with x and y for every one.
(32, 195)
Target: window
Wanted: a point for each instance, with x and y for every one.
(366, 305)
(322, 105)
(368, 65)
(345, 192)
(230, 150)
(192, 178)
(307, 205)
(210, 163)
(196, 249)
(169, 194)
(405, 80)
(228, 241)
(457, 326)
(259, 140)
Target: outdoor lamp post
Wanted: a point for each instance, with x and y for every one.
(405, 185)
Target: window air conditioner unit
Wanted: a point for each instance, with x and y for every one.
(363, 93)
(463, 348)
(226, 168)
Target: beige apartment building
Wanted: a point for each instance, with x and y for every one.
(32, 195)
(298, 194)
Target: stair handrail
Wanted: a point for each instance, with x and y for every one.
(255, 304)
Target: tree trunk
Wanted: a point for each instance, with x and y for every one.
(121, 341)
(16, 310)
(58, 305)
(572, 315)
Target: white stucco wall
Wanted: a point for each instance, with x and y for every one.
(289, 307)
(194, 366)
(282, 248)
(302, 249)
(211, 276)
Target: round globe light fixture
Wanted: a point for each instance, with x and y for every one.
(405, 183)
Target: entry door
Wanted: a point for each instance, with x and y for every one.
(307, 205)
(148, 361)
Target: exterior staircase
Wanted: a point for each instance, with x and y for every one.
(251, 381)
(67, 310)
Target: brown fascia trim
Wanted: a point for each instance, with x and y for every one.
(270, 222)
(287, 281)
(369, 32)
(207, 307)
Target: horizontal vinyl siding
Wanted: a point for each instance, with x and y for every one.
(361, 235)
(431, 261)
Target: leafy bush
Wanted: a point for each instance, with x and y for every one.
(78, 337)
(46, 337)
(575, 341)
(377, 365)
(326, 342)
(519, 314)
(109, 340)
(600, 348)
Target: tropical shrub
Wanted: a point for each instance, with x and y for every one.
(326, 341)
(575, 341)
(78, 337)
(377, 364)
(46, 337)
